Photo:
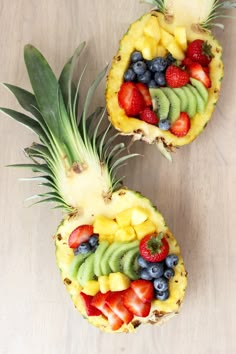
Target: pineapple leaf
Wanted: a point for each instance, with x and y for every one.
(160, 4)
(34, 167)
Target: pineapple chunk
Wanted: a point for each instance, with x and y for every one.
(91, 287)
(166, 37)
(125, 233)
(139, 215)
(108, 238)
(161, 51)
(147, 227)
(181, 37)
(118, 281)
(124, 217)
(148, 46)
(104, 225)
(104, 283)
(152, 29)
(175, 50)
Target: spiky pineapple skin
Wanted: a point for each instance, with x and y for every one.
(121, 200)
(138, 128)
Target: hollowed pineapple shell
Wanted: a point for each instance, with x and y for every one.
(144, 131)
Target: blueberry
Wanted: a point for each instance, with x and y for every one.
(160, 79)
(161, 284)
(84, 248)
(172, 260)
(164, 124)
(170, 59)
(129, 75)
(169, 273)
(136, 56)
(152, 84)
(145, 78)
(156, 270)
(142, 262)
(93, 241)
(158, 64)
(162, 295)
(139, 67)
(144, 274)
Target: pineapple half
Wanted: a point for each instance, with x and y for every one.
(194, 16)
(78, 164)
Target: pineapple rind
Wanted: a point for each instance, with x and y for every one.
(121, 200)
(138, 128)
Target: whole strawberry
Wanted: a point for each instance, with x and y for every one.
(200, 51)
(148, 116)
(176, 77)
(154, 248)
(131, 99)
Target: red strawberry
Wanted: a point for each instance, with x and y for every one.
(79, 235)
(90, 310)
(176, 77)
(186, 62)
(197, 72)
(200, 51)
(181, 126)
(145, 92)
(148, 116)
(135, 305)
(154, 248)
(115, 302)
(143, 289)
(131, 99)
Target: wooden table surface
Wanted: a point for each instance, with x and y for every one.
(196, 194)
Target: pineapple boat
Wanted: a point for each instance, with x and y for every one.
(118, 260)
(165, 79)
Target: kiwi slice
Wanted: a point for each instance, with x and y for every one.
(105, 267)
(174, 111)
(160, 103)
(80, 274)
(201, 88)
(200, 102)
(115, 260)
(183, 98)
(86, 271)
(99, 253)
(76, 263)
(192, 102)
(128, 264)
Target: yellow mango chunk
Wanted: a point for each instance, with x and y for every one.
(104, 225)
(161, 51)
(118, 281)
(148, 46)
(125, 233)
(139, 215)
(104, 283)
(108, 238)
(91, 287)
(152, 29)
(181, 37)
(124, 217)
(146, 228)
(166, 37)
(176, 51)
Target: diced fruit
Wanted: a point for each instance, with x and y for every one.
(200, 51)
(161, 51)
(172, 260)
(152, 29)
(104, 283)
(161, 284)
(118, 254)
(118, 281)
(115, 302)
(125, 233)
(147, 46)
(144, 229)
(174, 48)
(143, 289)
(176, 77)
(181, 37)
(104, 225)
(133, 303)
(130, 99)
(186, 62)
(166, 38)
(138, 215)
(124, 217)
(154, 248)
(91, 287)
(99, 301)
(81, 234)
(181, 126)
(162, 296)
(90, 309)
(149, 116)
(108, 238)
(145, 92)
(196, 71)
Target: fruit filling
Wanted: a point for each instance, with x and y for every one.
(167, 79)
(122, 264)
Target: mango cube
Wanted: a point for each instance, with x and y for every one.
(146, 228)
(152, 29)
(125, 233)
(161, 51)
(106, 237)
(139, 215)
(118, 281)
(174, 48)
(148, 46)
(104, 283)
(104, 225)
(166, 37)
(181, 37)
(91, 287)
(124, 217)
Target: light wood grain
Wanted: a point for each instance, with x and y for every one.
(197, 195)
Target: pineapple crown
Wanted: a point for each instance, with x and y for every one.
(67, 149)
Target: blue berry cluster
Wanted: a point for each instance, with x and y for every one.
(149, 72)
(159, 273)
(89, 246)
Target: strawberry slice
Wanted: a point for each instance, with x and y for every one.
(90, 310)
(135, 305)
(143, 289)
(81, 234)
(149, 116)
(131, 99)
(197, 72)
(181, 126)
(115, 302)
(145, 92)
